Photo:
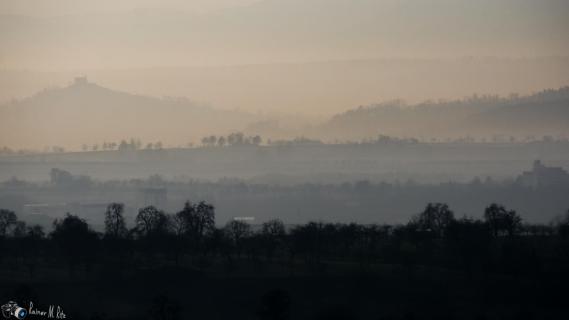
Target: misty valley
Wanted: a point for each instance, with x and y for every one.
(383, 181)
(380, 211)
(284, 159)
(390, 211)
(278, 227)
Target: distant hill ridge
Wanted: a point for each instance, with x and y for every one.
(546, 112)
(85, 112)
(81, 88)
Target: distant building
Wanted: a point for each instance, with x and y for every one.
(541, 176)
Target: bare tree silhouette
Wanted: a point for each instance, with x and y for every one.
(115, 226)
(7, 219)
(74, 236)
(435, 218)
(151, 221)
(502, 221)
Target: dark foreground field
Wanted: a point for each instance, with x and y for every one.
(183, 266)
(247, 290)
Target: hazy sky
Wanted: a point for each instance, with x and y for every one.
(64, 7)
(79, 34)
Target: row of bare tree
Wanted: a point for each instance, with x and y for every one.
(499, 242)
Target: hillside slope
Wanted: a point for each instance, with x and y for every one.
(544, 113)
(84, 112)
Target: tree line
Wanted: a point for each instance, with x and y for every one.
(500, 242)
(240, 139)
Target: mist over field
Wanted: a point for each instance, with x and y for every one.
(284, 159)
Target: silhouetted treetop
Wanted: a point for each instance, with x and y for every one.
(115, 226)
(502, 221)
